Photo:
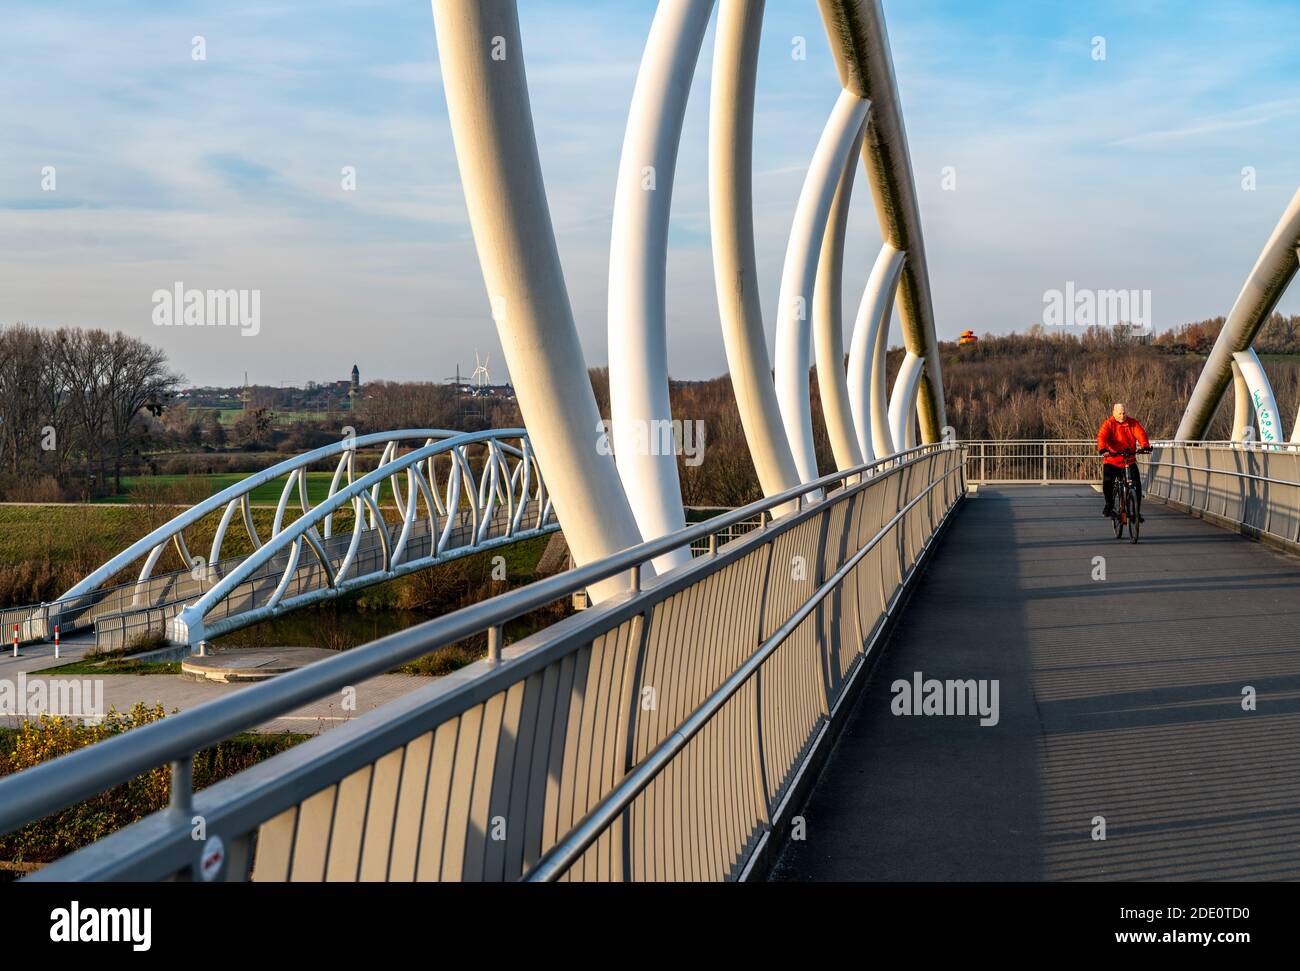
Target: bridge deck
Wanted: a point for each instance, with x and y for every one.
(1119, 698)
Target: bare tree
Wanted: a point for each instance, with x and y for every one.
(22, 415)
(76, 393)
(388, 404)
(137, 380)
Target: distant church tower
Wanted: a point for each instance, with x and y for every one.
(356, 382)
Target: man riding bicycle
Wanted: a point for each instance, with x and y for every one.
(1119, 439)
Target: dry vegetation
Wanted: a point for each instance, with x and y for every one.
(46, 738)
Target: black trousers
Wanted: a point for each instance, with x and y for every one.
(1110, 473)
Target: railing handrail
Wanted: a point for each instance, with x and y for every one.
(50, 786)
(1256, 445)
(89, 590)
(359, 488)
(565, 853)
(246, 485)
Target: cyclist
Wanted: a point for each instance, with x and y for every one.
(1118, 434)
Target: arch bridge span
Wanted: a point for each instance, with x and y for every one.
(448, 495)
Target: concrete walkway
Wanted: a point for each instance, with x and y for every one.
(38, 657)
(1121, 704)
(122, 691)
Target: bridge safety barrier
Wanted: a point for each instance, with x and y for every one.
(657, 736)
(1250, 487)
(480, 491)
(1045, 462)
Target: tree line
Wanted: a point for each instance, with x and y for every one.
(77, 407)
(72, 407)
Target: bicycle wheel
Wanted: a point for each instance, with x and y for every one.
(1134, 522)
(1117, 518)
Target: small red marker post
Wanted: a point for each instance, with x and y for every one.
(56, 642)
(15, 640)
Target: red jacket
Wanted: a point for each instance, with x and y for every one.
(1121, 436)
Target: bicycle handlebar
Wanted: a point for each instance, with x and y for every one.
(1128, 452)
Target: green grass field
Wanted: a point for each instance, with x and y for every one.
(228, 416)
(318, 485)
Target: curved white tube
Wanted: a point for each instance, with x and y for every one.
(859, 42)
(902, 405)
(800, 276)
(828, 323)
(496, 150)
(1242, 410)
(868, 393)
(731, 227)
(1268, 423)
(645, 446)
(1272, 274)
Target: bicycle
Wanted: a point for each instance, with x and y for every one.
(1126, 513)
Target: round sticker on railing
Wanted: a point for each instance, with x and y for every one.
(212, 859)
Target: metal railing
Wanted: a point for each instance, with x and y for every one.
(709, 545)
(1047, 462)
(303, 561)
(653, 737)
(30, 622)
(1244, 485)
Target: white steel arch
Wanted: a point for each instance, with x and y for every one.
(828, 323)
(868, 386)
(491, 118)
(731, 225)
(1242, 410)
(1268, 281)
(640, 411)
(1262, 401)
(462, 515)
(860, 44)
(607, 506)
(902, 405)
(799, 277)
(465, 511)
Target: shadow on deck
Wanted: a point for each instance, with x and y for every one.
(1119, 698)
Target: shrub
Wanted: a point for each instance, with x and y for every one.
(450, 585)
(49, 737)
(31, 582)
(41, 488)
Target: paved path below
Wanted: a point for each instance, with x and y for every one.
(172, 691)
(1119, 699)
(39, 656)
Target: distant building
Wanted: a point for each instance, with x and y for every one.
(356, 380)
(967, 337)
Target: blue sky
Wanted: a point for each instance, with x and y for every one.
(225, 173)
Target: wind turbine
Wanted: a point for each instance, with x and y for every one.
(480, 378)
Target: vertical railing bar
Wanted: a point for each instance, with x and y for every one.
(181, 798)
(758, 687)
